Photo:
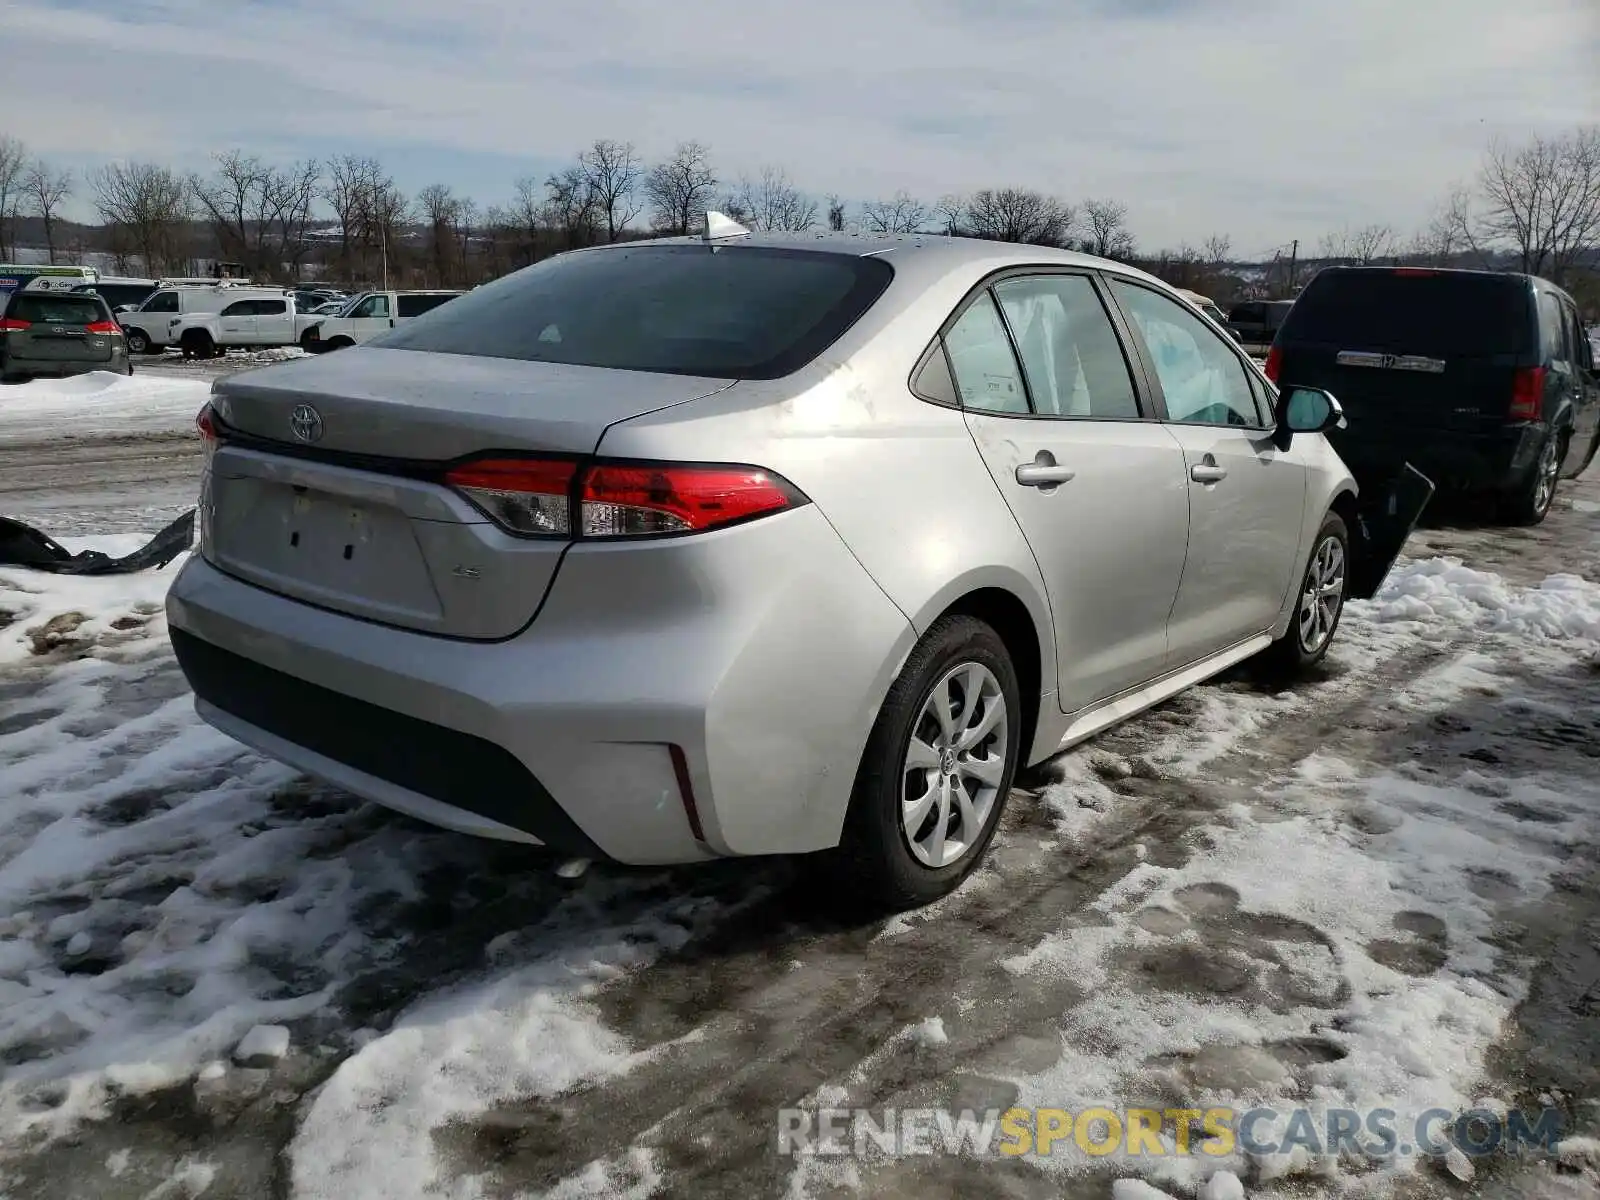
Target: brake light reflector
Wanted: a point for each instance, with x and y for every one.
(103, 327)
(625, 500)
(1274, 364)
(525, 495)
(10, 323)
(1527, 394)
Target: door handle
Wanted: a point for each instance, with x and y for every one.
(1044, 472)
(1208, 472)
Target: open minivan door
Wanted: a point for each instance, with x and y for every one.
(1386, 517)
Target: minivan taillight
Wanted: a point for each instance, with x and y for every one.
(8, 324)
(554, 497)
(103, 327)
(1527, 394)
(1274, 364)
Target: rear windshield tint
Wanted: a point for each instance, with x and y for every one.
(1413, 314)
(58, 309)
(742, 312)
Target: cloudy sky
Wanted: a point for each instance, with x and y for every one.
(1266, 119)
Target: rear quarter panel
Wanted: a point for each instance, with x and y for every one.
(899, 479)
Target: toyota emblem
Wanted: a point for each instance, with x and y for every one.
(306, 423)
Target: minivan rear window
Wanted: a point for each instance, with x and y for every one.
(741, 312)
(1430, 314)
(58, 309)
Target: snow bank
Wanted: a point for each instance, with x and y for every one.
(100, 403)
(1563, 607)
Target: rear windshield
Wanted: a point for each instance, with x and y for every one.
(742, 312)
(59, 309)
(1413, 314)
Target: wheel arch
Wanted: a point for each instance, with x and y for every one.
(1006, 613)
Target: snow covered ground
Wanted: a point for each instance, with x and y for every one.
(99, 403)
(1376, 888)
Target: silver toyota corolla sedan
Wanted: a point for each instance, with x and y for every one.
(750, 544)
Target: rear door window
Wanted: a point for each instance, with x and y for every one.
(1439, 315)
(743, 312)
(271, 308)
(240, 308)
(58, 308)
(1069, 348)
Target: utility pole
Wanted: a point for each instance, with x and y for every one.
(1294, 255)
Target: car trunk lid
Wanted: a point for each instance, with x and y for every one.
(327, 485)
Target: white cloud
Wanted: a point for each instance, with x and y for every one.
(1270, 121)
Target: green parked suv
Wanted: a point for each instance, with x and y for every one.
(59, 333)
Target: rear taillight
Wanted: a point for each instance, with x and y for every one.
(1414, 271)
(8, 324)
(623, 500)
(562, 498)
(1274, 364)
(529, 496)
(103, 327)
(1527, 394)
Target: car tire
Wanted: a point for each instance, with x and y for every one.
(197, 344)
(1318, 602)
(341, 343)
(883, 859)
(1529, 502)
(138, 342)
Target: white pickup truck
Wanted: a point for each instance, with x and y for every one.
(368, 315)
(252, 322)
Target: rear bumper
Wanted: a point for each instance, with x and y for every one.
(55, 367)
(1490, 461)
(760, 653)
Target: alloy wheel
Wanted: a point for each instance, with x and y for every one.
(954, 764)
(1322, 595)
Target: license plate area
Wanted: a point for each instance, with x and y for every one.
(354, 556)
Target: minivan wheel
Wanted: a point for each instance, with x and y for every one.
(937, 768)
(1529, 503)
(1319, 602)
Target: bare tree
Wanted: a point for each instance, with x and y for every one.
(1357, 247)
(147, 209)
(1018, 215)
(1109, 235)
(772, 202)
(43, 190)
(380, 224)
(571, 208)
(612, 171)
(903, 213)
(441, 210)
(1542, 199)
(951, 211)
(836, 212)
(259, 212)
(348, 192)
(1217, 248)
(680, 189)
(13, 162)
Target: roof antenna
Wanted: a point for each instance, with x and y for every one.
(720, 226)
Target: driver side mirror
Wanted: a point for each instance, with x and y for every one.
(1307, 410)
